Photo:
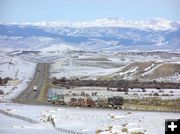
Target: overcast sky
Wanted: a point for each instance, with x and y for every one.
(73, 10)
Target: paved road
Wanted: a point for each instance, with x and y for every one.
(39, 80)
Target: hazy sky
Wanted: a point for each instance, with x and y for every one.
(73, 10)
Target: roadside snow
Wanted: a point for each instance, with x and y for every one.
(19, 70)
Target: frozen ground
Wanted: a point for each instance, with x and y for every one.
(10, 125)
(84, 65)
(144, 66)
(82, 120)
(101, 92)
(20, 71)
(128, 66)
(80, 69)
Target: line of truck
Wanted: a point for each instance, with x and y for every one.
(114, 102)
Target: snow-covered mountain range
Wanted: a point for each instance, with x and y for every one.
(155, 24)
(105, 34)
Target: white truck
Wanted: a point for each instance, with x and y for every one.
(35, 88)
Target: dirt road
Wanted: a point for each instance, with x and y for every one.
(40, 80)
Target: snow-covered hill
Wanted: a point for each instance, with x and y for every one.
(105, 34)
(59, 48)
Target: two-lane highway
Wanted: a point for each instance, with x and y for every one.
(40, 80)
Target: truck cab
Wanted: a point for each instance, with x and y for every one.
(35, 88)
(115, 102)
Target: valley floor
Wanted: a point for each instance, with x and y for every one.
(57, 119)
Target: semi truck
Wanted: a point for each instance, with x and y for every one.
(35, 88)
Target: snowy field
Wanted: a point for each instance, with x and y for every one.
(20, 71)
(10, 125)
(80, 69)
(90, 65)
(87, 121)
(21, 67)
(128, 66)
(102, 92)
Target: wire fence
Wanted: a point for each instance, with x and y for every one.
(51, 120)
(18, 117)
(62, 130)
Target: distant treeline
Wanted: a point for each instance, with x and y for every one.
(125, 84)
